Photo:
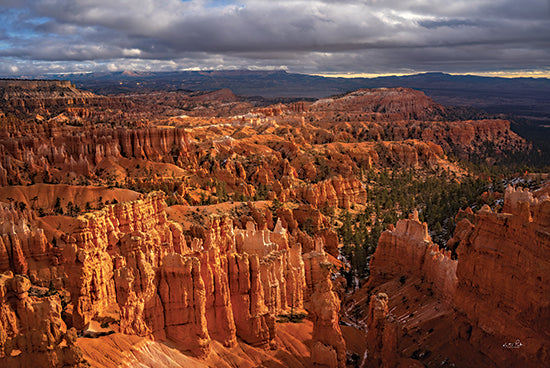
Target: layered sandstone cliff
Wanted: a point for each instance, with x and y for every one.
(397, 114)
(296, 152)
(408, 250)
(497, 286)
(503, 276)
(245, 289)
(384, 104)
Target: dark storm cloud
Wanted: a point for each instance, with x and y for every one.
(374, 36)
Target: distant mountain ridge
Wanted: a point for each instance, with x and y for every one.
(520, 96)
(283, 84)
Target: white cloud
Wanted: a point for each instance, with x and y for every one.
(131, 52)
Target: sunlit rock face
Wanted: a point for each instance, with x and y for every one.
(128, 260)
(329, 348)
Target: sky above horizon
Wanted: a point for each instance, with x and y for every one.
(338, 37)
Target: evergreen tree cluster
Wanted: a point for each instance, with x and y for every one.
(394, 195)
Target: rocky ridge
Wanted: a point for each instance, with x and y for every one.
(32, 332)
(288, 149)
(495, 288)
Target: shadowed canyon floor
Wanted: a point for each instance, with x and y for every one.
(186, 229)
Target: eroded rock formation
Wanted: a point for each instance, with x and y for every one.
(32, 332)
(129, 265)
(410, 251)
(382, 334)
(329, 348)
(220, 275)
(315, 153)
(497, 286)
(504, 276)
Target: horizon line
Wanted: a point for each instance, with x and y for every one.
(535, 74)
(538, 74)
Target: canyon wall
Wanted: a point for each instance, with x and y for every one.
(504, 275)
(498, 285)
(34, 83)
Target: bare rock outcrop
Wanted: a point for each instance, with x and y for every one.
(128, 264)
(497, 286)
(329, 349)
(32, 332)
(381, 334)
(504, 278)
(138, 236)
(410, 251)
(254, 323)
(335, 192)
(183, 297)
(219, 310)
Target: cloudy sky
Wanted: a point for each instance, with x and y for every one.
(305, 36)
